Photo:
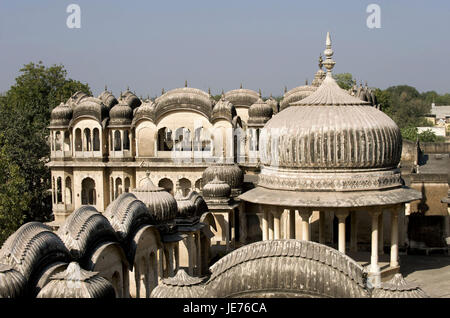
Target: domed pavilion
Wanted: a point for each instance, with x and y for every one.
(331, 152)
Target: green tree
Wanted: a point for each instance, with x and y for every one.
(26, 109)
(14, 197)
(344, 80)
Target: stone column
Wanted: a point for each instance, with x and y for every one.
(305, 214)
(354, 231)
(341, 215)
(374, 269)
(191, 253)
(265, 224)
(233, 228)
(270, 215)
(176, 251)
(380, 234)
(227, 230)
(394, 237)
(198, 251)
(322, 227)
(291, 223)
(276, 225)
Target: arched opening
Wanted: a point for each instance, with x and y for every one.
(185, 185)
(257, 138)
(96, 140)
(78, 142)
(167, 184)
(59, 190)
(116, 282)
(87, 140)
(58, 141)
(68, 191)
(165, 142)
(126, 140)
(66, 141)
(88, 194)
(118, 190)
(183, 139)
(127, 184)
(199, 185)
(117, 141)
(153, 273)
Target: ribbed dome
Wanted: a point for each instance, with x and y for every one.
(131, 99)
(216, 189)
(272, 103)
(76, 282)
(121, 114)
(12, 283)
(180, 286)
(161, 204)
(296, 94)
(76, 98)
(91, 107)
(230, 173)
(185, 98)
(145, 111)
(108, 99)
(186, 207)
(397, 287)
(61, 115)
(330, 141)
(259, 113)
(242, 97)
(83, 230)
(223, 109)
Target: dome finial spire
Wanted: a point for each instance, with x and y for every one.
(259, 92)
(185, 83)
(241, 86)
(329, 63)
(106, 88)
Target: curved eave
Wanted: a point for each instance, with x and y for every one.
(264, 196)
(167, 109)
(137, 120)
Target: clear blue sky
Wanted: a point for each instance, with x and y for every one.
(148, 45)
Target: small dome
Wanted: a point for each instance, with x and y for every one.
(272, 102)
(216, 189)
(161, 204)
(108, 99)
(76, 282)
(76, 98)
(91, 107)
(242, 97)
(223, 109)
(12, 283)
(296, 94)
(397, 287)
(180, 286)
(145, 111)
(131, 99)
(185, 98)
(121, 114)
(61, 115)
(186, 207)
(259, 113)
(230, 173)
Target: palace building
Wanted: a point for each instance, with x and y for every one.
(186, 196)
